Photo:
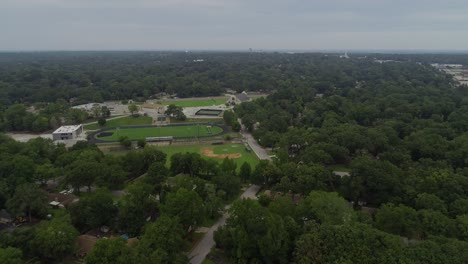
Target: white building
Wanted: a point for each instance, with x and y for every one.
(88, 107)
(67, 132)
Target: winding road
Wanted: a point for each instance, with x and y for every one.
(203, 248)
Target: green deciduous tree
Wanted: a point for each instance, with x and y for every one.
(45, 172)
(253, 234)
(125, 141)
(399, 220)
(157, 175)
(355, 243)
(83, 173)
(162, 242)
(28, 199)
(102, 121)
(93, 210)
(430, 201)
(326, 208)
(110, 251)
(54, 239)
(137, 204)
(187, 206)
(133, 108)
(11, 255)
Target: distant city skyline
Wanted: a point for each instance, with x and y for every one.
(297, 25)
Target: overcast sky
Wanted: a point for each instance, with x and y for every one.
(233, 24)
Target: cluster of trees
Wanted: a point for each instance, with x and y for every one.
(324, 228)
(161, 205)
(44, 116)
(399, 129)
(230, 118)
(175, 112)
(98, 76)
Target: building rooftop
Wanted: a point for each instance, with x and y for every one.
(64, 199)
(88, 106)
(243, 97)
(67, 129)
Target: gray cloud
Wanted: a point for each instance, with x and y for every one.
(234, 24)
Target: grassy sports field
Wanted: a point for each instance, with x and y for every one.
(197, 103)
(220, 150)
(124, 121)
(165, 131)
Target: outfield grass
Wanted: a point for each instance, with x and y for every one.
(196, 103)
(164, 131)
(248, 157)
(124, 121)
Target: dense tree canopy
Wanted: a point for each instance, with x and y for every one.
(395, 132)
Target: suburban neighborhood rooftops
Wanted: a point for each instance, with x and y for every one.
(67, 129)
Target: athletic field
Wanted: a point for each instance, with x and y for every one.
(163, 131)
(123, 121)
(196, 103)
(216, 152)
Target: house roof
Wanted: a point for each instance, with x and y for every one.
(67, 129)
(64, 199)
(243, 97)
(84, 244)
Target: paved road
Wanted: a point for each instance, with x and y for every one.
(203, 248)
(259, 150)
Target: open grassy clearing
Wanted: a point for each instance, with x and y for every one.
(196, 103)
(164, 131)
(124, 121)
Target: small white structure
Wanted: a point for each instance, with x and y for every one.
(67, 132)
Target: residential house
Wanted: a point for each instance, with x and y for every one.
(59, 200)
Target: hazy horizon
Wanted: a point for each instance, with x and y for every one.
(236, 25)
